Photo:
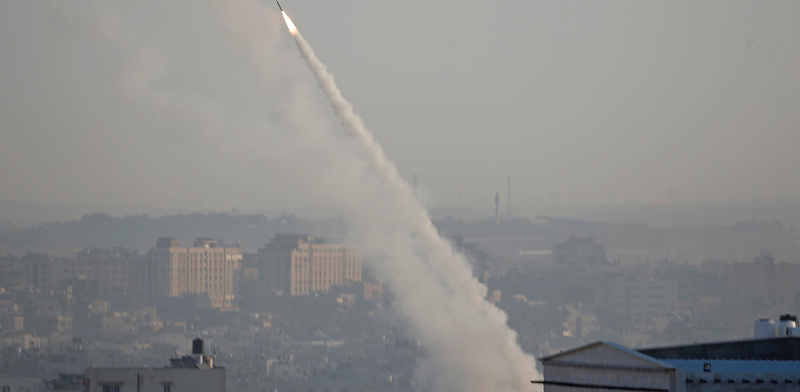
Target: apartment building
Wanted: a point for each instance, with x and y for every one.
(294, 264)
(170, 270)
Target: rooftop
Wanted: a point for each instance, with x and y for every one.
(786, 348)
(736, 366)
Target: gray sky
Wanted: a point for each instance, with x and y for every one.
(208, 105)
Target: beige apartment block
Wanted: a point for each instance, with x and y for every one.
(299, 265)
(170, 270)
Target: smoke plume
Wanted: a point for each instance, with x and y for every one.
(154, 104)
(470, 346)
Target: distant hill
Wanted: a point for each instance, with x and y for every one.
(141, 231)
(701, 214)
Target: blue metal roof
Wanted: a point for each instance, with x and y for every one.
(736, 366)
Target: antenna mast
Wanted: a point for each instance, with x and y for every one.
(508, 206)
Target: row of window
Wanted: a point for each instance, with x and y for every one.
(116, 388)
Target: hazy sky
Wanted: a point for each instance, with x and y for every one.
(208, 105)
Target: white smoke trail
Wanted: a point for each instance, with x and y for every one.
(469, 344)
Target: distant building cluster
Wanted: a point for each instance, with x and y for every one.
(109, 269)
(303, 313)
(115, 307)
(579, 251)
(290, 264)
(653, 302)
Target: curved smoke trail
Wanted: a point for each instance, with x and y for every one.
(470, 346)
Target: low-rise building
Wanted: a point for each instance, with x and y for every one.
(768, 365)
(195, 372)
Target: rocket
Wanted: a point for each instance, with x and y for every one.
(279, 5)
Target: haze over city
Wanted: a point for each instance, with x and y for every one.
(114, 104)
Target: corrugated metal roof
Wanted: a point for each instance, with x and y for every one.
(736, 366)
(785, 348)
(620, 347)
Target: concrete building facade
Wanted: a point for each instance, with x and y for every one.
(32, 271)
(170, 270)
(579, 251)
(299, 265)
(110, 268)
(762, 284)
(196, 372)
(641, 300)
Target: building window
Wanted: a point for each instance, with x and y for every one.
(6, 388)
(167, 387)
(111, 388)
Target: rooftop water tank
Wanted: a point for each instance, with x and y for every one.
(197, 346)
(786, 323)
(763, 328)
